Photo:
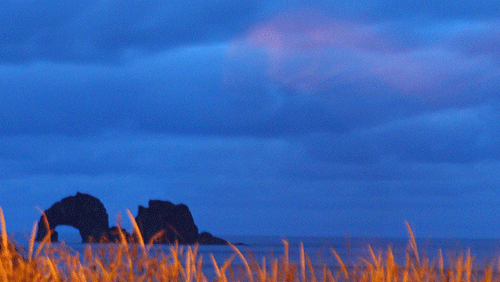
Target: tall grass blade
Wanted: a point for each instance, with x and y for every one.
(5, 238)
(302, 263)
(137, 231)
(32, 241)
(413, 244)
(286, 257)
(216, 267)
(343, 268)
(311, 269)
(247, 266)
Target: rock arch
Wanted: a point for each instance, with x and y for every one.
(82, 211)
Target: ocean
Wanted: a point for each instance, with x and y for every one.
(319, 249)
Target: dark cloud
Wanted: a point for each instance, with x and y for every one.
(476, 38)
(438, 9)
(451, 136)
(298, 116)
(59, 98)
(380, 11)
(21, 20)
(152, 155)
(106, 31)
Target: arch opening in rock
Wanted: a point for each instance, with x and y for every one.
(68, 234)
(82, 211)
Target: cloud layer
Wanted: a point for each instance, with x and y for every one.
(265, 117)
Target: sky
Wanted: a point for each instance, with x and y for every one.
(265, 117)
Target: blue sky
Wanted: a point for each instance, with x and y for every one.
(311, 118)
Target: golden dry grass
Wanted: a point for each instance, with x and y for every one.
(134, 262)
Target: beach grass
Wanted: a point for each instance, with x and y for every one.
(135, 262)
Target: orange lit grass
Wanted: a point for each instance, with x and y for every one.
(132, 262)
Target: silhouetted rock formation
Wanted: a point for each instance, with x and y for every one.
(165, 223)
(162, 222)
(83, 212)
(206, 238)
(174, 221)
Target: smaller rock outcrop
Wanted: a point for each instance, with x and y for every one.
(206, 238)
(163, 222)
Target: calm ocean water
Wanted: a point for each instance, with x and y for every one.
(484, 251)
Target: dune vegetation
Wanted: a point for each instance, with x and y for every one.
(135, 262)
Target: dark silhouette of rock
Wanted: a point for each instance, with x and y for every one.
(165, 223)
(206, 238)
(175, 223)
(161, 222)
(54, 236)
(83, 212)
